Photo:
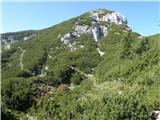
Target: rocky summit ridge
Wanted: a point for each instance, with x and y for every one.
(98, 25)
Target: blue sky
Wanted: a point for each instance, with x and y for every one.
(16, 16)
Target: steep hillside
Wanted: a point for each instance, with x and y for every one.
(89, 67)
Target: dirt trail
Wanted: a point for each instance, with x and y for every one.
(21, 57)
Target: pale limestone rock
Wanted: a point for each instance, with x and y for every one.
(100, 52)
(105, 18)
(157, 115)
(66, 38)
(114, 17)
(96, 31)
(46, 68)
(129, 28)
(49, 56)
(94, 16)
(104, 30)
(81, 29)
(95, 36)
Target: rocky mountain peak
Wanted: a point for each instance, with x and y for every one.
(90, 24)
(108, 16)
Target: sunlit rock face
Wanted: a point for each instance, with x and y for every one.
(114, 17)
(104, 30)
(95, 29)
(156, 115)
(81, 29)
(67, 37)
(94, 16)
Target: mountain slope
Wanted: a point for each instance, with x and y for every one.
(89, 67)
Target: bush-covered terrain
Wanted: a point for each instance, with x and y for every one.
(44, 79)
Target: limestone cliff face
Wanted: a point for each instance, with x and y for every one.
(95, 30)
(113, 17)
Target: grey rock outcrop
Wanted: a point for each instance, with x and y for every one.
(67, 37)
(81, 29)
(114, 17)
(156, 115)
(95, 30)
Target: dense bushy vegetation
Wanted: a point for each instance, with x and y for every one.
(41, 77)
(131, 59)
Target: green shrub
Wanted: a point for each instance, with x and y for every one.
(76, 78)
(17, 94)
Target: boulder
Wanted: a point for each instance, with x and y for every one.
(156, 115)
(67, 37)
